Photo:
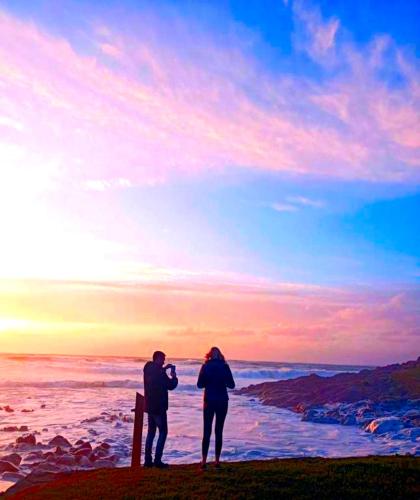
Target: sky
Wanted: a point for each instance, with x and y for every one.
(177, 175)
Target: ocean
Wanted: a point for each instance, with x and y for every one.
(91, 398)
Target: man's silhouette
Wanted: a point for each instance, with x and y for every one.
(156, 387)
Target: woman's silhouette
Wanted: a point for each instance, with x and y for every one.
(215, 376)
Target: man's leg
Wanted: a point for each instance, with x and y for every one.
(162, 424)
(151, 432)
(221, 412)
(208, 415)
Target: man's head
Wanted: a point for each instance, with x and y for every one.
(159, 358)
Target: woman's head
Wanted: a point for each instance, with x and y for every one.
(214, 353)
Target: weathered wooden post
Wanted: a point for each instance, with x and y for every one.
(138, 430)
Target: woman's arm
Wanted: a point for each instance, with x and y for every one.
(230, 383)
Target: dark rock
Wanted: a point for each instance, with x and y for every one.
(8, 409)
(11, 428)
(385, 384)
(12, 476)
(28, 439)
(34, 478)
(23, 428)
(60, 441)
(69, 460)
(6, 466)
(13, 458)
(84, 462)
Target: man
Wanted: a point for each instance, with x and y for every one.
(156, 387)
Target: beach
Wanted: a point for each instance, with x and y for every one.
(91, 398)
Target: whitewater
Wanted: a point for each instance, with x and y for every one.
(91, 398)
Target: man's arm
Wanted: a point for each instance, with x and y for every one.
(170, 382)
(201, 382)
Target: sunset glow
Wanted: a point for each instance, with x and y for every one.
(175, 175)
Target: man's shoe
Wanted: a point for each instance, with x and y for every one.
(160, 465)
(148, 464)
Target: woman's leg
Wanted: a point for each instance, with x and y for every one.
(221, 413)
(208, 415)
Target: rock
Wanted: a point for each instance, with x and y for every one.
(12, 476)
(45, 429)
(59, 451)
(93, 457)
(48, 455)
(35, 478)
(11, 428)
(46, 467)
(84, 446)
(384, 424)
(100, 452)
(69, 460)
(349, 420)
(8, 409)
(84, 462)
(93, 432)
(28, 439)
(105, 446)
(412, 433)
(103, 464)
(23, 428)
(82, 452)
(34, 455)
(6, 466)
(316, 415)
(26, 411)
(79, 442)
(13, 458)
(43, 406)
(60, 441)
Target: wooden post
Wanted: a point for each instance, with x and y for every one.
(138, 430)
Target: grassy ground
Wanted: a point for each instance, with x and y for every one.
(358, 478)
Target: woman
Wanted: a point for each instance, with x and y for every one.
(215, 376)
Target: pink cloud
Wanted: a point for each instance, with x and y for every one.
(252, 319)
(154, 113)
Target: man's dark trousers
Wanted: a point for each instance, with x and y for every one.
(160, 422)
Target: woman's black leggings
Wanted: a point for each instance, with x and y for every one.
(218, 408)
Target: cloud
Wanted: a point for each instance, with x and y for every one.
(144, 110)
(247, 316)
(103, 185)
(302, 200)
(314, 35)
(284, 207)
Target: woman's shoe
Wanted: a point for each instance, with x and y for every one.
(203, 466)
(217, 465)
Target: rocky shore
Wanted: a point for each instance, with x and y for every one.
(30, 460)
(384, 400)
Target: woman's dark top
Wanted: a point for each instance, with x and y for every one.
(215, 376)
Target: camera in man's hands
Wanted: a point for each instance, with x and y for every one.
(172, 368)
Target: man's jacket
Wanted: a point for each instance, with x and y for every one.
(215, 376)
(156, 387)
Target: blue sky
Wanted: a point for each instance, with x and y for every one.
(266, 143)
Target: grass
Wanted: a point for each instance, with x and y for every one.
(307, 478)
